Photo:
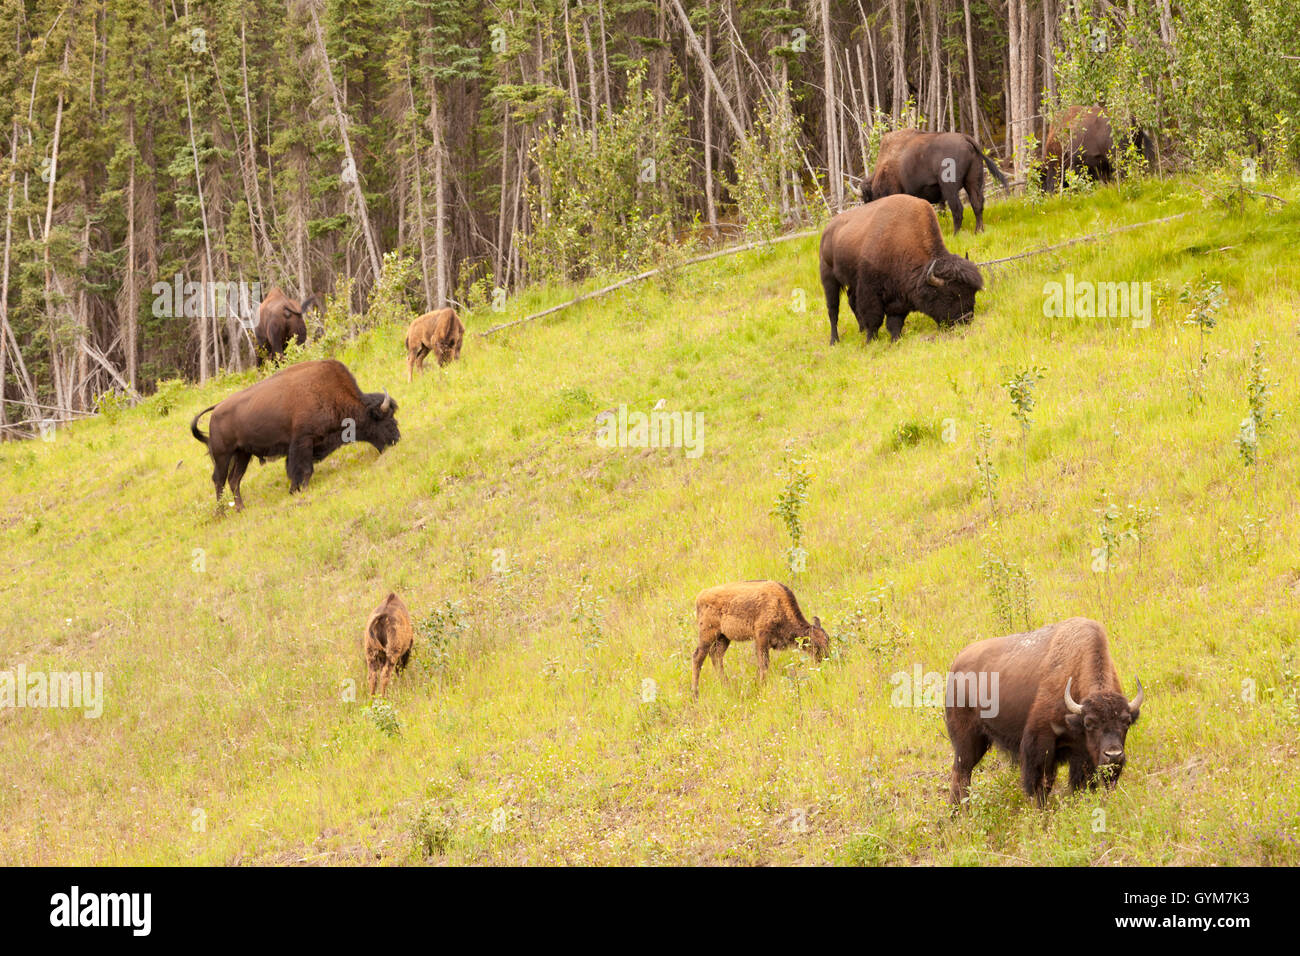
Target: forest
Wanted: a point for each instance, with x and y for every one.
(469, 149)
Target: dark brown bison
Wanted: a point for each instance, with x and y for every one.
(1055, 698)
(891, 260)
(302, 413)
(1081, 139)
(387, 642)
(440, 332)
(764, 612)
(934, 167)
(279, 319)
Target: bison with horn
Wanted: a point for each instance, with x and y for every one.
(302, 413)
(1033, 714)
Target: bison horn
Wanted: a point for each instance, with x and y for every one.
(1070, 703)
(1136, 703)
(931, 278)
(388, 401)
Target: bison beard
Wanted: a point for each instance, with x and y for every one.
(891, 259)
(1038, 721)
(302, 414)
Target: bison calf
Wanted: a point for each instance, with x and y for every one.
(764, 612)
(387, 643)
(440, 332)
(891, 259)
(1057, 699)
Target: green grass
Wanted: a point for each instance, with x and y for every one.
(522, 734)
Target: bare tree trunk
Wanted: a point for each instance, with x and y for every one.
(970, 73)
(832, 112)
(693, 42)
(341, 119)
(207, 245)
(711, 209)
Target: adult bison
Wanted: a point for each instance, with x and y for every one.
(279, 319)
(891, 259)
(303, 413)
(1081, 139)
(934, 167)
(1056, 698)
(440, 332)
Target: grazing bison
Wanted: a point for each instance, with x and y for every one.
(764, 612)
(1081, 139)
(387, 642)
(1056, 698)
(303, 413)
(279, 319)
(891, 259)
(440, 332)
(934, 167)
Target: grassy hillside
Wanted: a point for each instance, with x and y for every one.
(553, 578)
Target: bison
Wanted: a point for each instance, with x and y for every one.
(891, 259)
(279, 319)
(934, 167)
(303, 413)
(1081, 139)
(764, 612)
(387, 642)
(1056, 698)
(440, 332)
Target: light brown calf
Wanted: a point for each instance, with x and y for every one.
(764, 612)
(387, 644)
(440, 332)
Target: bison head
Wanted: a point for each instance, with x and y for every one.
(819, 643)
(866, 189)
(1100, 725)
(947, 290)
(380, 425)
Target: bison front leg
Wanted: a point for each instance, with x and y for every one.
(869, 311)
(895, 325)
(1037, 764)
(762, 652)
(298, 463)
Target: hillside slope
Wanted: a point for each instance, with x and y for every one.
(554, 577)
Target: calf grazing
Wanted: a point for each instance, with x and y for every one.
(891, 259)
(764, 612)
(387, 642)
(1058, 700)
(440, 332)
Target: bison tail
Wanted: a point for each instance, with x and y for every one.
(194, 425)
(988, 161)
